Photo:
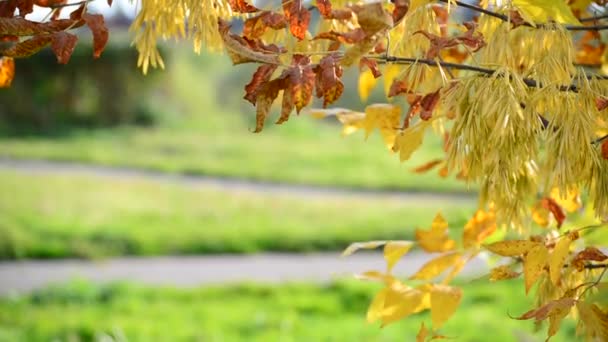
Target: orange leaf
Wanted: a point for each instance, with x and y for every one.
(327, 79)
(350, 37)
(371, 64)
(400, 10)
(7, 71)
(265, 97)
(428, 104)
(428, 166)
(255, 27)
(324, 7)
(555, 209)
(601, 103)
(298, 17)
(241, 6)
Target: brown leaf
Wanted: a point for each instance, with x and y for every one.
(428, 166)
(259, 78)
(555, 209)
(371, 64)
(543, 312)
(605, 149)
(428, 104)
(96, 23)
(587, 254)
(241, 6)
(255, 27)
(242, 50)
(373, 18)
(63, 46)
(351, 37)
(28, 47)
(298, 17)
(7, 71)
(601, 103)
(400, 10)
(327, 81)
(266, 96)
(18, 26)
(301, 80)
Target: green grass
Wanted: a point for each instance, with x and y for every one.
(293, 312)
(206, 130)
(64, 215)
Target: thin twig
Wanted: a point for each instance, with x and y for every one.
(506, 18)
(597, 281)
(585, 20)
(71, 4)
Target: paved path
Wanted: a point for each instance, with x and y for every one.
(25, 276)
(39, 167)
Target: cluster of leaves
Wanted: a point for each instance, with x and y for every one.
(21, 37)
(519, 93)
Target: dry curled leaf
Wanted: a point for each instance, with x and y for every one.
(259, 78)
(587, 254)
(298, 17)
(241, 6)
(328, 81)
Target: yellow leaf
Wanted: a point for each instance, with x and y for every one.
(394, 250)
(435, 267)
(355, 246)
(541, 11)
(502, 272)
(479, 227)
(422, 333)
(534, 263)
(367, 83)
(444, 302)
(374, 311)
(595, 321)
(511, 248)
(435, 239)
(410, 139)
(571, 202)
(556, 317)
(541, 215)
(402, 303)
(558, 257)
(385, 117)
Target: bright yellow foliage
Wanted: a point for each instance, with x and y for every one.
(435, 239)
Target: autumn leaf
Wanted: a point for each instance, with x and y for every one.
(400, 10)
(300, 80)
(511, 248)
(535, 262)
(328, 83)
(240, 51)
(587, 254)
(28, 47)
(435, 239)
(604, 152)
(298, 16)
(571, 201)
(355, 246)
(594, 319)
(503, 272)
(372, 65)
(259, 78)
(479, 227)
(7, 71)
(402, 301)
(555, 209)
(373, 18)
(436, 266)
(541, 11)
(241, 6)
(367, 82)
(428, 166)
(63, 46)
(558, 258)
(393, 251)
(410, 140)
(256, 26)
(325, 8)
(265, 97)
(444, 302)
(353, 36)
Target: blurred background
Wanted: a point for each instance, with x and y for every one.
(142, 208)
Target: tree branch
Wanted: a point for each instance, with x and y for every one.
(506, 18)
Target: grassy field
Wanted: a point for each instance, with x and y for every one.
(293, 312)
(206, 127)
(65, 216)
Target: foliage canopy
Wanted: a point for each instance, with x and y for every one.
(518, 92)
